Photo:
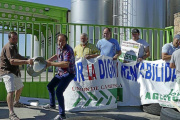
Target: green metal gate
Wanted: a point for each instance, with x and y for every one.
(36, 87)
(45, 23)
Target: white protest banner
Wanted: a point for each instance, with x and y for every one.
(94, 87)
(100, 81)
(148, 82)
(129, 51)
(158, 83)
(129, 88)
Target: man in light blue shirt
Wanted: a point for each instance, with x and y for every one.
(169, 48)
(109, 46)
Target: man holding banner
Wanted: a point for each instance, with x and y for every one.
(175, 63)
(86, 49)
(169, 48)
(66, 64)
(144, 46)
(109, 46)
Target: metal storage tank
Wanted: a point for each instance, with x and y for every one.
(89, 12)
(142, 13)
(173, 6)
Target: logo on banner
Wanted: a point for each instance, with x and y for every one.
(99, 99)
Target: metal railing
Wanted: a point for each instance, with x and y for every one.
(46, 33)
(45, 41)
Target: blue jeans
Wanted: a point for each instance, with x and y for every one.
(61, 82)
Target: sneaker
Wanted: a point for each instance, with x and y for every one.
(60, 117)
(18, 104)
(48, 106)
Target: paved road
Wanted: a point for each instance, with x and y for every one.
(33, 113)
(121, 113)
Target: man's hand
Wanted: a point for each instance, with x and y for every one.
(30, 61)
(48, 63)
(140, 59)
(115, 57)
(88, 56)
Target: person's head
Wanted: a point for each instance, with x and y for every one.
(107, 33)
(84, 38)
(176, 40)
(62, 40)
(135, 34)
(13, 38)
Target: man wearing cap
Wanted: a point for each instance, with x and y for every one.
(66, 72)
(144, 46)
(169, 48)
(109, 46)
(86, 49)
(10, 72)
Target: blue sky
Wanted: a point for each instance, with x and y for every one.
(59, 3)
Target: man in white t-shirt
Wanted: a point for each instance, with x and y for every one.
(175, 63)
(144, 46)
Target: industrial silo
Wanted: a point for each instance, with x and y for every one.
(89, 12)
(142, 13)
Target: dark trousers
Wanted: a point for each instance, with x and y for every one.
(62, 83)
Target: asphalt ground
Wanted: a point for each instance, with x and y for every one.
(38, 113)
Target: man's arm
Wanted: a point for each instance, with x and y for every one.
(117, 55)
(9, 55)
(63, 64)
(118, 49)
(165, 56)
(20, 62)
(172, 62)
(172, 65)
(147, 53)
(91, 56)
(53, 58)
(98, 45)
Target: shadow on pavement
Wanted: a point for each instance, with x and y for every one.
(4, 113)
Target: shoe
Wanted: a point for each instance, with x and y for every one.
(18, 104)
(48, 106)
(13, 116)
(60, 117)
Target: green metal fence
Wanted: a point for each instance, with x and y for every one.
(46, 35)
